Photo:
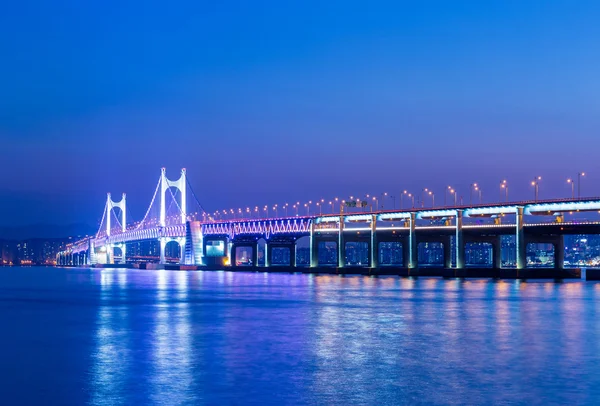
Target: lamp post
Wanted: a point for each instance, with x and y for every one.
(286, 208)
(383, 196)
(579, 175)
(331, 204)
(453, 192)
(445, 194)
(504, 186)
(295, 207)
(432, 199)
(412, 198)
(376, 203)
(472, 187)
(393, 202)
(402, 198)
(535, 183)
(477, 189)
(572, 187)
(423, 196)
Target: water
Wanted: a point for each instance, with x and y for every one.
(116, 337)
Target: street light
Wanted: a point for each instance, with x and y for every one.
(477, 189)
(504, 186)
(331, 204)
(445, 193)
(432, 199)
(472, 187)
(423, 196)
(383, 195)
(295, 207)
(376, 203)
(286, 207)
(535, 183)
(572, 187)
(579, 175)
(320, 208)
(394, 201)
(408, 195)
(453, 192)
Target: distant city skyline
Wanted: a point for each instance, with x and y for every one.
(272, 103)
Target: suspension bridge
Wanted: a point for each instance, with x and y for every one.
(207, 241)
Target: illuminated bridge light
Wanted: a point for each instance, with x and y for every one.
(486, 211)
(357, 217)
(436, 213)
(329, 219)
(393, 216)
(542, 208)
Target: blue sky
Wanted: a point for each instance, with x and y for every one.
(266, 102)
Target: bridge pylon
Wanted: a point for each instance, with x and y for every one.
(181, 185)
(110, 205)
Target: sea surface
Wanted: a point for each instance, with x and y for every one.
(137, 337)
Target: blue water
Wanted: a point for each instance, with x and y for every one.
(117, 337)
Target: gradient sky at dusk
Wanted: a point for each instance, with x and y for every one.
(272, 101)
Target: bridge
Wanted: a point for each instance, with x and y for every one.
(207, 241)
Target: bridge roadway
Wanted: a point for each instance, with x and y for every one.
(214, 244)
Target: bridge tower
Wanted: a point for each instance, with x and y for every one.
(181, 185)
(110, 206)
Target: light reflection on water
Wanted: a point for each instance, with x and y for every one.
(166, 337)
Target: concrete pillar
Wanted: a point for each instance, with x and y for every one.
(268, 254)
(341, 244)
(459, 241)
(406, 252)
(559, 253)
(412, 243)
(163, 244)
(293, 255)
(314, 247)
(497, 247)
(374, 243)
(124, 251)
(447, 252)
(110, 254)
(233, 254)
(182, 242)
(254, 254)
(521, 244)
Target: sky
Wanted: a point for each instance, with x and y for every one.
(269, 102)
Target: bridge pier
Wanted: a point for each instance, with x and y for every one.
(341, 248)
(497, 247)
(374, 243)
(459, 241)
(413, 247)
(447, 242)
(268, 253)
(313, 247)
(559, 253)
(521, 244)
(162, 244)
